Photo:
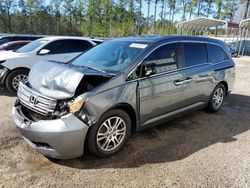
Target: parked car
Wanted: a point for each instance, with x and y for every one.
(15, 66)
(10, 38)
(120, 86)
(13, 46)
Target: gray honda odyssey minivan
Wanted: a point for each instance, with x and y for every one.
(118, 87)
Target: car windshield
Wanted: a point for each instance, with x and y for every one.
(3, 40)
(111, 56)
(32, 46)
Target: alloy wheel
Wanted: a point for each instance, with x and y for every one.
(17, 79)
(111, 133)
(218, 97)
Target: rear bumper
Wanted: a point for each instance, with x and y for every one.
(3, 74)
(61, 138)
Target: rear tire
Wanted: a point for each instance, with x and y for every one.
(110, 133)
(13, 79)
(217, 98)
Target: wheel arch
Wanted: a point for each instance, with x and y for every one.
(225, 85)
(19, 68)
(130, 111)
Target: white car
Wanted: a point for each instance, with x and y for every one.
(15, 66)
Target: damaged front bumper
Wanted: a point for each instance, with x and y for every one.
(3, 74)
(61, 138)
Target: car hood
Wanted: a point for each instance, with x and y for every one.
(57, 80)
(5, 55)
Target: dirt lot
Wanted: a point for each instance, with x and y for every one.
(198, 150)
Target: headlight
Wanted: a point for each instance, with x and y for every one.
(75, 105)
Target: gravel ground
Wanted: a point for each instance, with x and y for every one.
(197, 150)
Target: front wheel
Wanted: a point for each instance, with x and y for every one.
(13, 79)
(217, 98)
(110, 133)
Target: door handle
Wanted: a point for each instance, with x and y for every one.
(182, 81)
(179, 82)
(188, 80)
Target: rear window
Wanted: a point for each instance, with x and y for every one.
(194, 53)
(78, 46)
(216, 53)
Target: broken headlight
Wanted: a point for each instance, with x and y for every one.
(75, 105)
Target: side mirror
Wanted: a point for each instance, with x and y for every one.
(150, 69)
(43, 52)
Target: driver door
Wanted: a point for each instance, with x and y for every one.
(161, 89)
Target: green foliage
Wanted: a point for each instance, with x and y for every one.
(105, 18)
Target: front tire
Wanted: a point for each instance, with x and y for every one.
(13, 79)
(110, 133)
(217, 98)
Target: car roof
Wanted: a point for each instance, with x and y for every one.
(17, 42)
(64, 37)
(159, 38)
(20, 36)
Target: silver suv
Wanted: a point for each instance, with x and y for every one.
(118, 87)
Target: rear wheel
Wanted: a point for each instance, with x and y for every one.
(13, 79)
(110, 133)
(217, 98)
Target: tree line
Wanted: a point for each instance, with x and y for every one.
(108, 18)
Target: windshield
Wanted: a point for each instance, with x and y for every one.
(111, 56)
(32, 46)
(3, 40)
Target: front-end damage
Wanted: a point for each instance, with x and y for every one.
(59, 138)
(49, 110)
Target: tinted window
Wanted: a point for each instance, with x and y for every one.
(12, 47)
(194, 53)
(216, 53)
(78, 45)
(15, 46)
(163, 59)
(57, 47)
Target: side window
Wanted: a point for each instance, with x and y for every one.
(57, 47)
(163, 59)
(21, 45)
(12, 47)
(216, 53)
(78, 45)
(195, 53)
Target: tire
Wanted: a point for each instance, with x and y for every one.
(103, 147)
(217, 98)
(13, 78)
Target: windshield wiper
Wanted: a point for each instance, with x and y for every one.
(99, 70)
(95, 69)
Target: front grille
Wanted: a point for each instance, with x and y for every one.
(35, 101)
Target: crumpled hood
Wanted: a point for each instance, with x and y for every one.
(5, 55)
(54, 80)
